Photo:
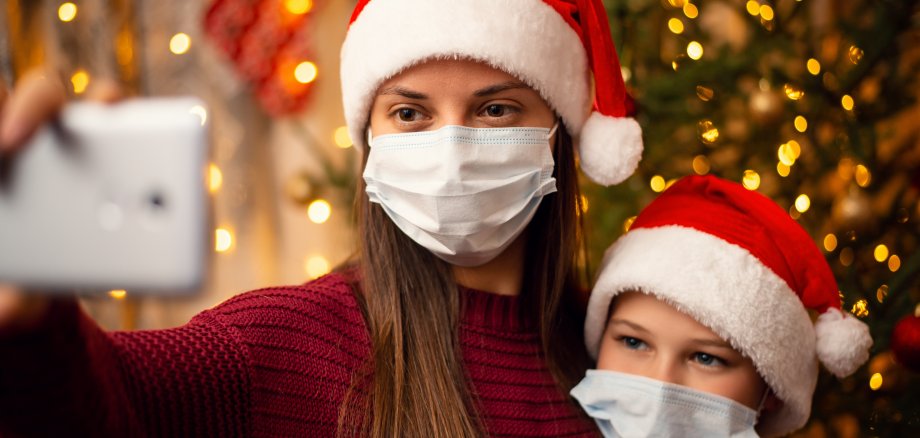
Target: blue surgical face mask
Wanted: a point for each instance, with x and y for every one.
(626, 405)
(462, 193)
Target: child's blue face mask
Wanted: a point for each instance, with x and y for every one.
(626, 405)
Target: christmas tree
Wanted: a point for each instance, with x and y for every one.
(812, 103)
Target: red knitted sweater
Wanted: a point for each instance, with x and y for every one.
(271, 362)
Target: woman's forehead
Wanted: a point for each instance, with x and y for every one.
(444, 74)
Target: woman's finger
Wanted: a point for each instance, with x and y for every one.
(38, 96)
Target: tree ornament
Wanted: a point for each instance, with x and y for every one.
(905, 342)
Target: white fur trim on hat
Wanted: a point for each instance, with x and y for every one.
(609, 148)
(525, 38)
(843, 342)
(727, 289)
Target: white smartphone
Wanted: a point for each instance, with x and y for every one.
(110, 197)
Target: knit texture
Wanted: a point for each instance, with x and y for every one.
(271, 362)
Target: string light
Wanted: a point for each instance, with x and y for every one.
(894, 263)
(80, 80)
(583, 203)
(676, 26)
(316, 266)
(855, 54)
(859, 309)
(223, 240)
(792, 92)
(813, 66)
(881, 293)
(215, 178)
(657, 183)
(802, 203)
(709, 134)
(677, 3)
(881, 253)
(319, 211)
(875, 382)
(753, 7)
(180, 43)
(766, 12)
(700, 165)
(847, 102)
(341, 137)
(298, 7)
(306, 72)
(691, 11)
(782, 169)
(67, 12)
(118, 294)
(750, 180)
(694, 50)
(704, 93)
(863, 176)
(628, 223)
(801, 123)
(830, 242)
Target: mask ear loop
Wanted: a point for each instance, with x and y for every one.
(763, 401)
(553, 130)
(369, 137)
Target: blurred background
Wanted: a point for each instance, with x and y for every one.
(813, 103)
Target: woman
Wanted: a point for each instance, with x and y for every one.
(460, 317)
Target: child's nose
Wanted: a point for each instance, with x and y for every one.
(668, 371)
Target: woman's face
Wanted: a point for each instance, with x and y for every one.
(648, 337)
(438, 93)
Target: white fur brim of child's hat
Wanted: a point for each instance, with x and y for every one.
(761, 317)
(527, 39)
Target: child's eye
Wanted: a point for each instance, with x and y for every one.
(633, 343)
(708, 360)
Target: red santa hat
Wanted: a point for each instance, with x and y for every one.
(737, 263)
(554, 46)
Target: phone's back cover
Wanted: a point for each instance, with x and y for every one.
(110, 197)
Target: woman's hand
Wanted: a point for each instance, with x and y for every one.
(36, 99)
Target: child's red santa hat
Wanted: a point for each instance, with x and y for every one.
(737, 263)
(554, 46)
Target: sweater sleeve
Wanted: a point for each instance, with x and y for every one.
(70, 378)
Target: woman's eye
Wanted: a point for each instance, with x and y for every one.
(632, 343)
(407, 114)
(708, 360)
(496, 110)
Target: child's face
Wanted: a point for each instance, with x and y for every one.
(648, 337)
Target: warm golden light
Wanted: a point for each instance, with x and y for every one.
(792, 92)
(342, 138)
(708, 132)
(855, 54)
(846, 256)
(750, 180)
(802, 203)
(859, 309)
(298, 7)
(894, 263)
(215, 178)
(319, 211)
(691, 11)
(801, 123)
(785, 154)
(700, 165)
(676, 26)
(766, 12)
(881, 293)
(753, 7)
(657, 183)
(306, 72)
(782, 169)
(79, 80)
(875, 382)
(67, 12)
(863, 176)
(316, 266)
(118, 294)
(180, 43)
(794, 148)
(881, 253)
(695, 50)
(847, 102)
(830, 242)
(704, 93)
(223, 240)
(628, 223)
(583, 203)
(814, 67)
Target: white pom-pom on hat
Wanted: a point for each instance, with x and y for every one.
(610, 148)
(842, 342)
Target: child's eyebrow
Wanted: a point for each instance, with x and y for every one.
(713, 343)
(629, 324)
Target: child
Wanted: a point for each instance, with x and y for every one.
(699, 319)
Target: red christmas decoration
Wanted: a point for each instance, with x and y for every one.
(267, 41)
(905, 342)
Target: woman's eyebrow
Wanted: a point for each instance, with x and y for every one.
(397, 90)
(630, 324)
(497, 88)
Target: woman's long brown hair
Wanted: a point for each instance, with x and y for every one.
(415, 384)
